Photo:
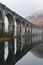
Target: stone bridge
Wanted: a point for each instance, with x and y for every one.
(23, 34)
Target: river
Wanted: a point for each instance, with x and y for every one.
(33, 57)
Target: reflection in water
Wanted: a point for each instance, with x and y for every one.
(11, 53)
(33, 57)
(30, 59)
(38, 50)
(15, 47)
(6, 50)
(36, 38)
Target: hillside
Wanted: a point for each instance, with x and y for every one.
(40, 23)
(36, 18)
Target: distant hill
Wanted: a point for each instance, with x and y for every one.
(36, 18)
(40, 23)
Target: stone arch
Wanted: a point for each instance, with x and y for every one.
(10, 24)
(18, 25)
(23, 23)
(23, 27)
(10, 17)
(17, 20)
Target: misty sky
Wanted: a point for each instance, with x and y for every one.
(24, 7)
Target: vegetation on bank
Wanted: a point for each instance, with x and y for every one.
(5, 37)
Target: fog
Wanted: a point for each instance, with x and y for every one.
(24, 7)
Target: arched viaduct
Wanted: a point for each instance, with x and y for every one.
(24, 32)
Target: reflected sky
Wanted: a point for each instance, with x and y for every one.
(30, 59)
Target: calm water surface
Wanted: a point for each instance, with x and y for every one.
(33, 57)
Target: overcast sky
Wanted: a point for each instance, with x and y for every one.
(24, 7)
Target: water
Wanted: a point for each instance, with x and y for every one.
(33, 57)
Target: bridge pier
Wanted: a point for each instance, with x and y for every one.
(2, 32)
(18, 40)
(11, 30)
(1, 29)
(19, 36)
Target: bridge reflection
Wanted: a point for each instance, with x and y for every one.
(13, 57)
(38, 51)
(22, 36)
